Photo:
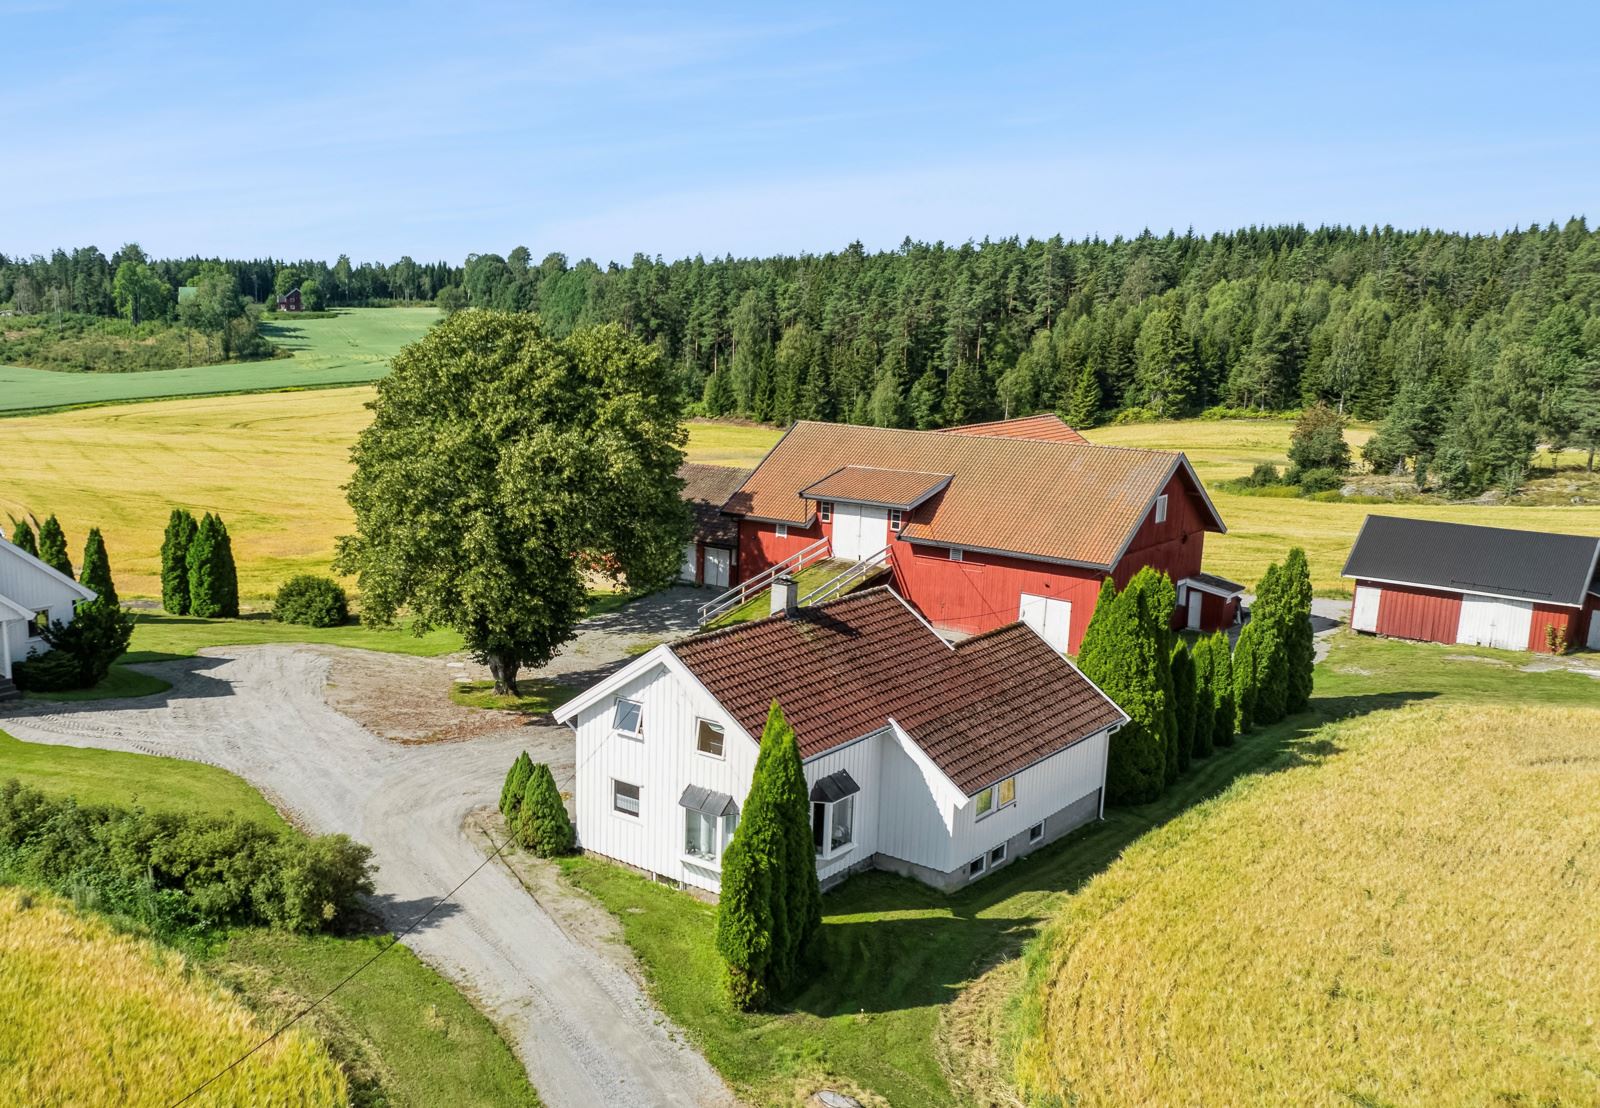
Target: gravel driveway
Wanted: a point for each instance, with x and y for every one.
(579, 1022)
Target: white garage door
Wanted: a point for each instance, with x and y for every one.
(718, 564)
(1365, 615)
(1488, 621)
(691, 563)
(1050, 617)
(859, 531)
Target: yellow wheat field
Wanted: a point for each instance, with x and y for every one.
(1411, 917)
(89, 1017)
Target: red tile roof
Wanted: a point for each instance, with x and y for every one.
(1045, 427)
(982, 711)
(707, 488)
(895, 488)
(1070, 502)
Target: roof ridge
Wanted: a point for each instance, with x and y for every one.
(992, 633)
(1482, 527)
(940, 431)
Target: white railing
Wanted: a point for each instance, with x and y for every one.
(743, 591)
(836, 585)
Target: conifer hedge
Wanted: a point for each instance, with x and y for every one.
(97, 568)
(213, 578)
(1183, 702)
(181, 528)
(1122, 657)
(53, 546)
(1205, 670)
(1222, 697)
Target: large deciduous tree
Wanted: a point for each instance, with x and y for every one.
(501, 466)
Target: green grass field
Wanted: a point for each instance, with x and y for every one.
(119, 683)
(896, 955)
(158, 637)
(355, 345)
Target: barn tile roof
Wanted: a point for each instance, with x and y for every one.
(1046, 427)
(707, 488)
(1070, 502)
(1538, 566)
(894, 488)
(982, 710)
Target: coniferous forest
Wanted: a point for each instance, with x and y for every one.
(1470, 350)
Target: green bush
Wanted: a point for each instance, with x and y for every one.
(542, 823)
(1264, 474)
(516, 784)
(52, 671)
(213, 579)
(177, 873)
(81, 651)
(96, 572)
(1318, 480)
(312, 601)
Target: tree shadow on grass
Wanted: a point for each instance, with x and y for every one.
(890, 943)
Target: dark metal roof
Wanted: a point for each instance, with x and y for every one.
(835, 786)
(1536, 566)
(712, 803)
(1215, 584)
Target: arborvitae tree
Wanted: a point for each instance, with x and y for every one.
(1223, 710)
(213, 581)
(1204, 697)
(1120, 656)
(744, 909)
(1271, 648)
(1183, 702)
(1083, 410)
(1246, 675)
(542, 823)
(97, 568)
(181, 528)
(1299, 636)
(802, 900)
(53, 546)
(1157, 597)
(22, 537)
(516, 784)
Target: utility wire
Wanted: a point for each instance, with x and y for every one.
(292, 1020)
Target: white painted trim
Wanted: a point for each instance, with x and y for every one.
(83, 591)
(1464, 592)
(600, 689)
(16, 609)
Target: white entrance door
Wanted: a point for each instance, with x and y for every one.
(719, 563)
(691, 562)
(1050, 617)
(1195, 600)
(1594, 630)
(1365, 615)
(1487, 621)
(859, 531)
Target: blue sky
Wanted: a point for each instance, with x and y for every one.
(599, 130)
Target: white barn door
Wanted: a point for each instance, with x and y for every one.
(691, 563)
(1489, 621)
(859, 531)
(1050, 617)
(1195, 601)
(719, 564)
(1365, 615)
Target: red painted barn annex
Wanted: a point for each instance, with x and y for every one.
(1479, 586)
(983, 525)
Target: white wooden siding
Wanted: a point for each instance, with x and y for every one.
(1490, 621)
(33, 589)
(1042, 788)
(915, 808)
(861, 760)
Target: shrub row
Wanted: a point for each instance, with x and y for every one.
(179, 873)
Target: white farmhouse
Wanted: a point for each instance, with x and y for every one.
(32, 594)
(936, 761)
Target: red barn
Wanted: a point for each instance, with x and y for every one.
(990, 524)
(1481, 586)
(712, 552)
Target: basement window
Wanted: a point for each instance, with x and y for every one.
(625, 798)
(1161, 508)
(997, 855)
(1036, 832)
(628, 718)
(976, 866)
(782, 531)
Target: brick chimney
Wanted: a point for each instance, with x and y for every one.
(785, 594)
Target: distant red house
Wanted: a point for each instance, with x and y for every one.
(289, 301)
(988, 524)
(1478, 586)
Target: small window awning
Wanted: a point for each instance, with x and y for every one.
(835, 786)
(707, 801)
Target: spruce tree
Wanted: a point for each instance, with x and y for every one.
(53, 546)
(213, 581)
(22, 537)
(1300, 639)
(1183, 701)
(1223, 710)
(1205, 669)
(542, 823)
(97, 568)
(181, 528)
(516, 784)
(1084, 407)
(1118, 655)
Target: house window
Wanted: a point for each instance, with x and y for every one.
(624, 798)
(1161, 508)
(833, 825)
(896, 517)
(700, 835)
(1036, 832)
(783, 530)
(955, 555)
(996, 796)
(976, 866)
(628, 719)
(997, 855)
(708, 738)
(825, 510)
(38, 624)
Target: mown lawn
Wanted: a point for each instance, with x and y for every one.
(538, 698)
(158, 637)
(896, 953)
(118, 683)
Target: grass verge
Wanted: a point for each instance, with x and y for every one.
(539, 698)
(120, 683)
(158, 637)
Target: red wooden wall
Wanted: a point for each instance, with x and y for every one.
(1573, 621)
(1411, 613)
